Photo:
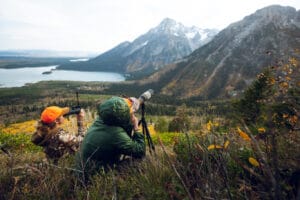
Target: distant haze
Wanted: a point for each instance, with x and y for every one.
(99, 25)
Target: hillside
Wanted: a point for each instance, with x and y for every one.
(230, 62)
(248, 152)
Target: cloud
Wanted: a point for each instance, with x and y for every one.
(99, 25)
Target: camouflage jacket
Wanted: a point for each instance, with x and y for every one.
(56, 141)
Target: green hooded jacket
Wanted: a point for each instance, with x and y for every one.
(109, 137)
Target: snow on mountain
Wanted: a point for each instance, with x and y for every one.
(195, 36)
(168, 42)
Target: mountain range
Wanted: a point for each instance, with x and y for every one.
(226, 65)
(164, 44)
(190, 62)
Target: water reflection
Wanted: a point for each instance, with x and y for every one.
(21, 76)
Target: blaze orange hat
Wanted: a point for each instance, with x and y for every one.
(50, 114)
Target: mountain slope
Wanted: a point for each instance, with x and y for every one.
(164, 44)
(227, 64)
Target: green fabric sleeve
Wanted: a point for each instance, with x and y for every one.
(134, 146)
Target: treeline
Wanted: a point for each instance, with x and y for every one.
(23, 103)
(10, 62)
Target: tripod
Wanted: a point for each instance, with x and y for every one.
(146, 130)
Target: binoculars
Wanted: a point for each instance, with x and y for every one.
(73, 110)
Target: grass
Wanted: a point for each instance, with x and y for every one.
(182, 167)
(220, 159)
(28, 177)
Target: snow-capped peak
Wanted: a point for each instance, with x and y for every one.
(168, 33)
(196, 36)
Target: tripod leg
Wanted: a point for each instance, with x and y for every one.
(148, 136)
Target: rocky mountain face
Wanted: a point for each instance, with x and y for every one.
(164, 44)
(229, 63)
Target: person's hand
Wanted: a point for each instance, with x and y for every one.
(134, 122)
(81, 115)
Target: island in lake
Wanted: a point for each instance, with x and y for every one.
(47, 72)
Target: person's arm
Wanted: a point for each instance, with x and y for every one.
(134, 146)
(80, 124)
(69, 140)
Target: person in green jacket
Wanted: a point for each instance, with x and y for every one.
(110, 137)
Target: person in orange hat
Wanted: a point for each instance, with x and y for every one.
(53, 138)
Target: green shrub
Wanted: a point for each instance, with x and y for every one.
(18, 142)
(167, 138)
(161, 125)
(181, 122)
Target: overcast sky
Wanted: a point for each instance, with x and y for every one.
(99, 25)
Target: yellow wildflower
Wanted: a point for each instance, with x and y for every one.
(22, 127)
(209, 125)
(284, 85)
(151, 129)
(253, 162)
(226, 144)
(214, 146)
(272, 81)
(243, 135)
(261, 130)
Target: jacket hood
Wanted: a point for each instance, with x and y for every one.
(115, 111)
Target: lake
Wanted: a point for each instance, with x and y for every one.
(20, 76)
